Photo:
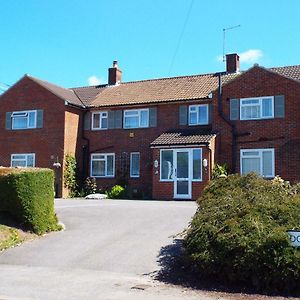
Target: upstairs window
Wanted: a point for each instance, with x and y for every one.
(257, 108)
(24, 119)
(23, 160)
(99, 120)
(259, 161)
(136, 118)
(198, 114)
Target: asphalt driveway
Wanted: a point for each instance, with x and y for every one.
(108, 251)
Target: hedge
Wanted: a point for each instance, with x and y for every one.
(28, 195)
(238, 234)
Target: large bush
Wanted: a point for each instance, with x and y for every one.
(238, 234)
(28, 195)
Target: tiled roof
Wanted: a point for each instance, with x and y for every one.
(184, 137)
(159, 90)
(292, 72)
(65, 94)
(153, 90)
(88, 93)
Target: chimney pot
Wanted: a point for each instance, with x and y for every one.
(114, 74)
(232, 63)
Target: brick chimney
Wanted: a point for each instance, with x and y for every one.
(232, 63)
(114, 74)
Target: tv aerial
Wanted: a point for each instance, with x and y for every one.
(224, 37)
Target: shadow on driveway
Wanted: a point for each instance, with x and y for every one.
(176, 270)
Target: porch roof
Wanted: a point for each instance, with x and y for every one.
(184, 137)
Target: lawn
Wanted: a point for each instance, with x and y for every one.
(10, 233)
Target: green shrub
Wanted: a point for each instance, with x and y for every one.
(70, 180)
(238, 234)
(219, 171)
(90, 186)
(117, 192)
(28, 195)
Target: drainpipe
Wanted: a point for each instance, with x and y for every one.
(231, 124)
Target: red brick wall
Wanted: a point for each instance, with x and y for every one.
(283, 134)
(119, 141)
(73, 138)
(48, 142)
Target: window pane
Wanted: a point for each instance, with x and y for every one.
(96, 121)
(131, 122)
(250, 153)
(31, 122)
(202, 115)
(19, 156)
(98, 168)
(250, 165)
(135, 164)
(30, 161)
(267, 163)
(18, 163)
(197, 164)
(19, 122)
(104, 122)
(267, 107)
(166, 167)
(250, 101)
(193, 118)
(250, 112)
(144, 118)
(131, 113)
(110, 165)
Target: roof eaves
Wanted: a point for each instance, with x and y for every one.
(282, 75)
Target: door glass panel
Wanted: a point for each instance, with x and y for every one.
(182, 187)
(182, 164)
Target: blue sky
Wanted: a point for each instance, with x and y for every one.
(72, 43)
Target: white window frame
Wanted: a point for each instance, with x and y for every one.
(101, 117)
(131, 155)
(191, 161)
(26, 159)
(24, 112)
(138, 114)
(260, 100)
(105, 159)
(260, 156)
(197, 112)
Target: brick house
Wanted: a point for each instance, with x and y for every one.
(160, 137)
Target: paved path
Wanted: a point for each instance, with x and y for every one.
(107, 251)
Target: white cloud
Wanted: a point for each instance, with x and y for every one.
(94, 80)
(248, 57)
(251, 56)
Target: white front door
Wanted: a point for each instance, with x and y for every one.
(182, 174)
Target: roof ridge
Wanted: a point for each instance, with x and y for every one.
(167, 78)
(88, 86)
